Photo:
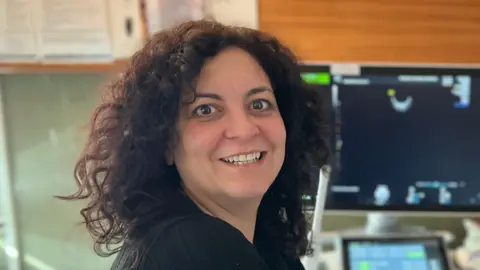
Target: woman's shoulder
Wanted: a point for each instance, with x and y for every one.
(194, 226)
(190, 241)
(186, 219)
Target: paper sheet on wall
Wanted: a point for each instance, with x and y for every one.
(162, 14)
(72, 30)
(233, 12)
(17, 31)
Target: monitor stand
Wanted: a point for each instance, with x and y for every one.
(380, 223)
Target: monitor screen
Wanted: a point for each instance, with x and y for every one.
(406, 139)
(394, 254)
(318, 78)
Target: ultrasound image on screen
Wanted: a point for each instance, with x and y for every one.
(406, 141)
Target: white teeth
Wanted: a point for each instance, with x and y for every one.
(243, 159)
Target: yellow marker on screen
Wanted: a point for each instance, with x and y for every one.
(391, 92)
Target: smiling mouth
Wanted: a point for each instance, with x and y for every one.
(245, 159)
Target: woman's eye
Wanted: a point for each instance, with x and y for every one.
(261, 105)
(204, 110)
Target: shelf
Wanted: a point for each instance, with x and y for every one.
(29, 68)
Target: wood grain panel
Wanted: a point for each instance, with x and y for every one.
(426, 31)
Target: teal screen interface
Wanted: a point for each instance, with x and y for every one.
(395, 256)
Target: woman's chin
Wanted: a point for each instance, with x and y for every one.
(242, 192)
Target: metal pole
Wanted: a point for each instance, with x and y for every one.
(10, 242)
(315, 261)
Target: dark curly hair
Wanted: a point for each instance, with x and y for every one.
(122, 171)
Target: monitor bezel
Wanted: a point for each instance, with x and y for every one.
(419, 70)
(307, 206)
(408, 69)
(314, 67)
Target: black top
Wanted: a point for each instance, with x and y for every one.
(189, 239)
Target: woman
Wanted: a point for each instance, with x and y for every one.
(199, 153)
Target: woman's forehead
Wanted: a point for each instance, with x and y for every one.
(232, 70)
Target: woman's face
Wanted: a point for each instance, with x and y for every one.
(232, 138)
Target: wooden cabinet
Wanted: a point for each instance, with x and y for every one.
(426, 31)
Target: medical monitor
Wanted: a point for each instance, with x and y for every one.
(394, 253)
(405, 139)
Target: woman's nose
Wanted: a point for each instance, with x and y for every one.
(241, 125)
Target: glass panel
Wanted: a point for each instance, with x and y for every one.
(8, 235)
(45, 116)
